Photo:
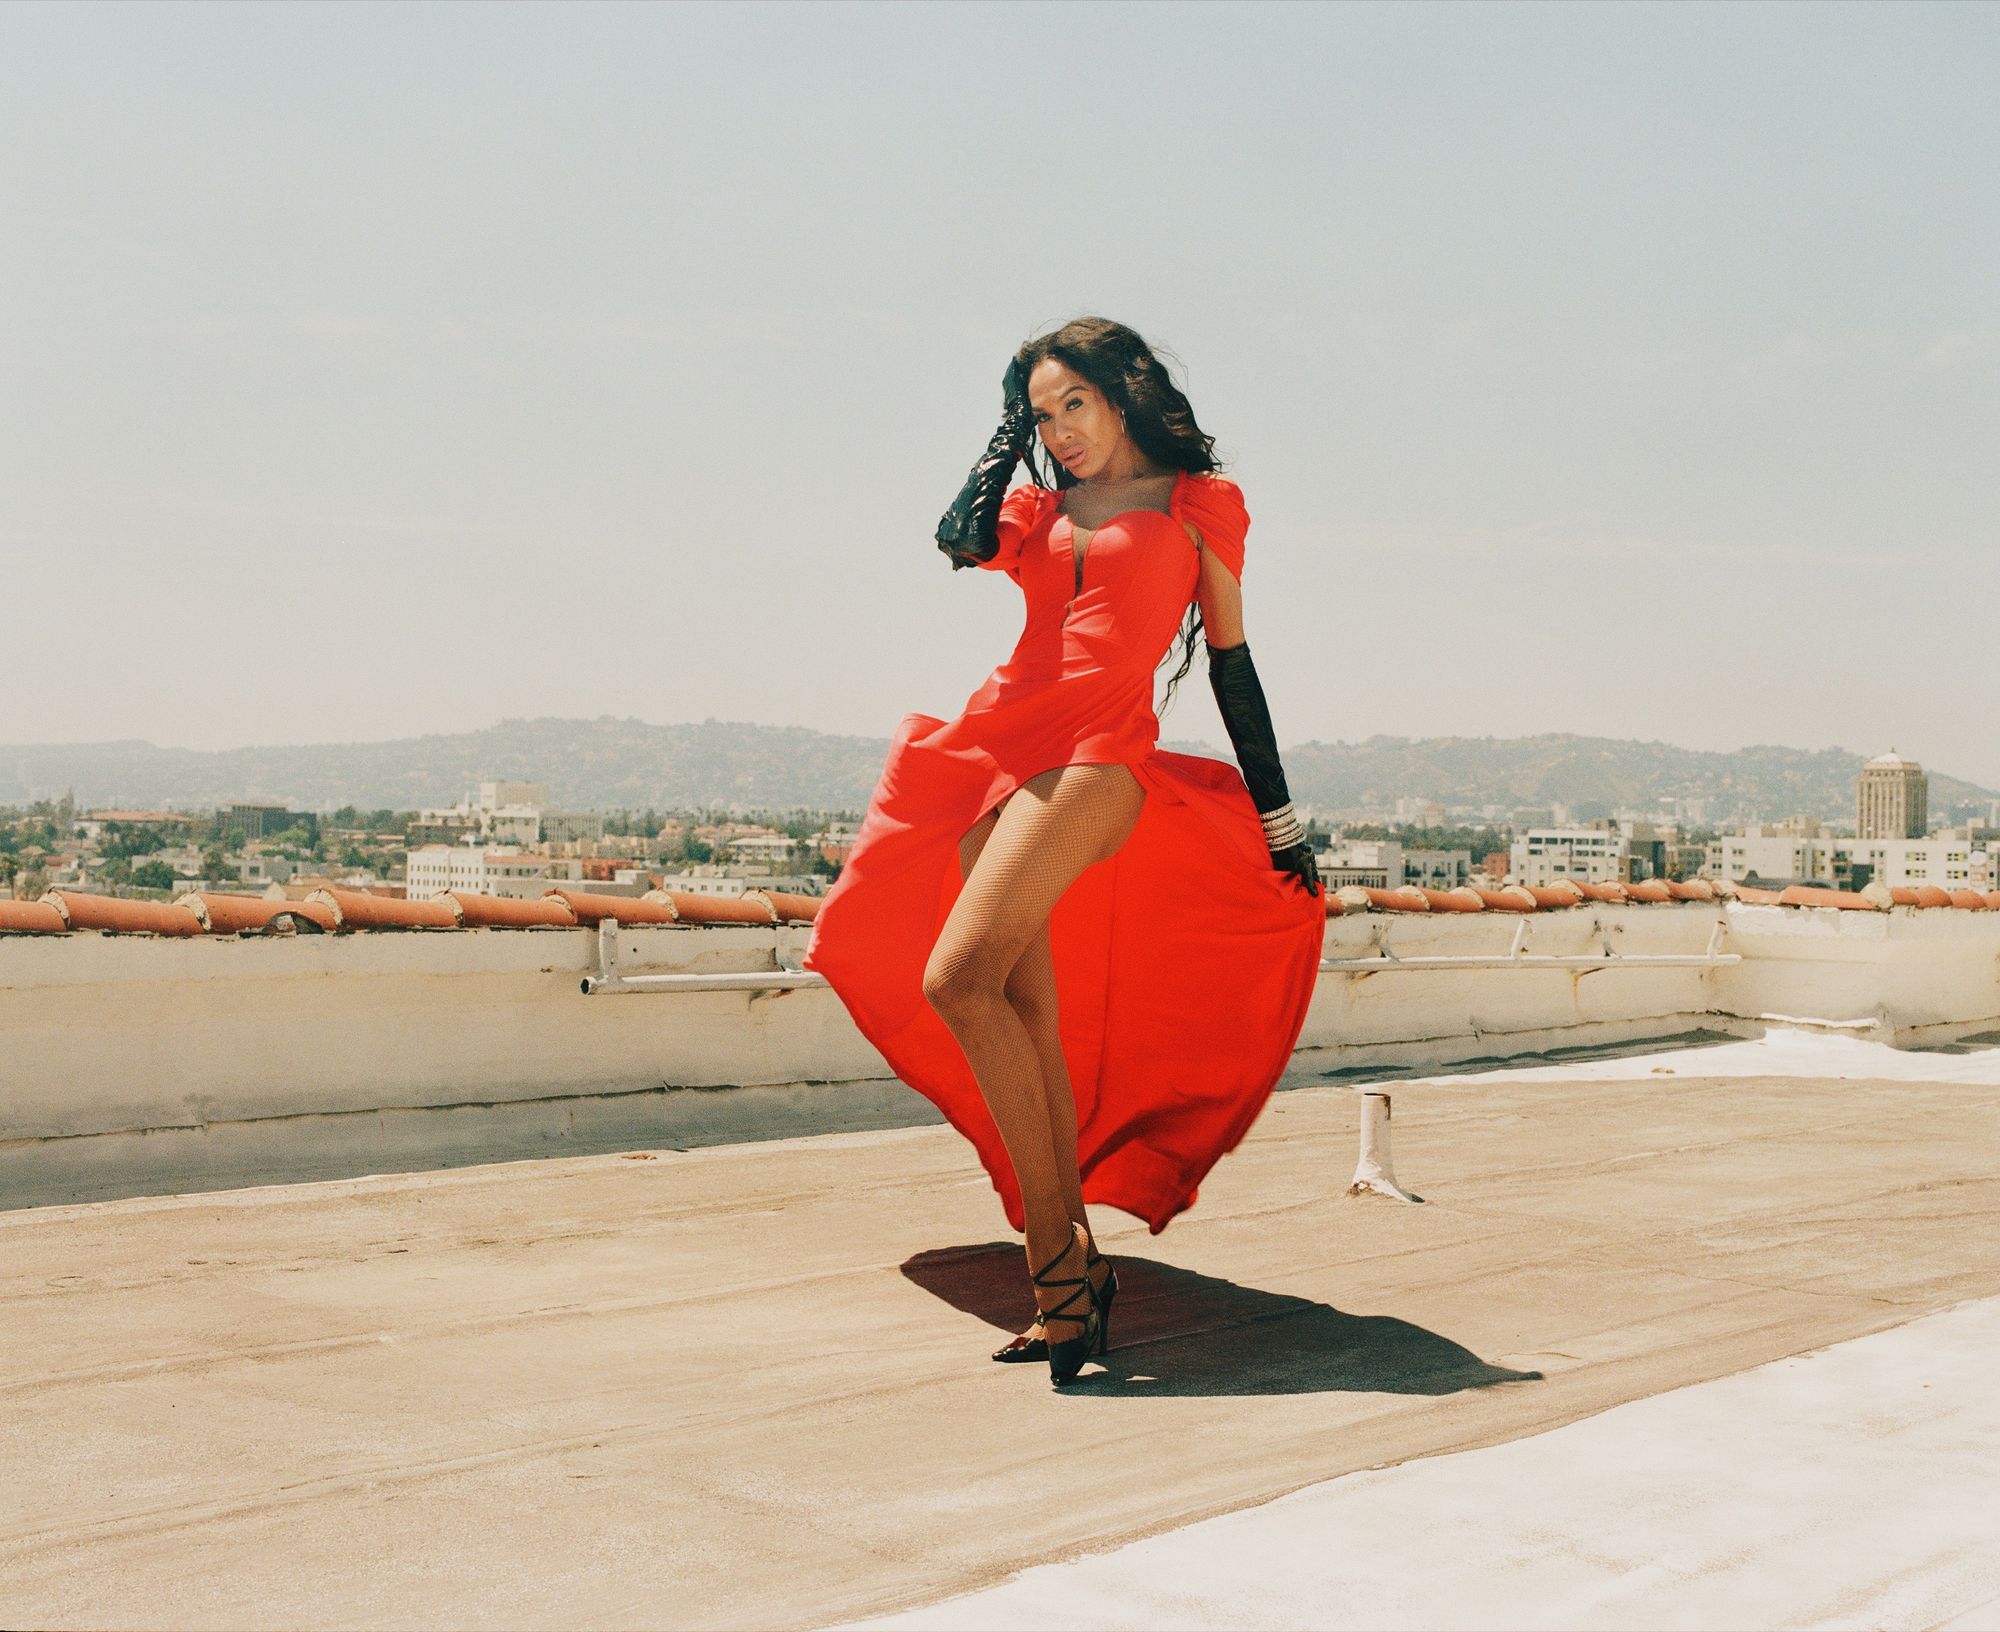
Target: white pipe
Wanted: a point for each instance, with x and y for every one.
(776, 979)
(1374, 1175)
(608, 982)
(1542, 960)
(1515, 958)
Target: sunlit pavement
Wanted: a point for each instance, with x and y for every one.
(747, 1385)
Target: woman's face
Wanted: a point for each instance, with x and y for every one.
(1079, 428)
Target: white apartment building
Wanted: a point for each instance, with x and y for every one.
(1544, 854)
(436, 869)
(1373, 863)
(1437, 869)
(706, 882)
(1950, 860)
(497, 795)
(762, 849)
(1767, 853)
(515, 813)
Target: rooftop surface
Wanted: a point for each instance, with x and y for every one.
(747, 1386)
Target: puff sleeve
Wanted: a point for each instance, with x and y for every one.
(1214, 504)
(1021, 513)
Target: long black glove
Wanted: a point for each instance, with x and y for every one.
(969, 531)
(1233, 679)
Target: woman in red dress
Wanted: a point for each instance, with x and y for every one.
(1092, 955)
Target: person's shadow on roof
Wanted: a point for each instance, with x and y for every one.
(1175, 1332)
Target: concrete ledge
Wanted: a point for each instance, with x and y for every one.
(134, 1064)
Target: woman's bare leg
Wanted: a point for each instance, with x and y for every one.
(1031, 989)
(1055, 825)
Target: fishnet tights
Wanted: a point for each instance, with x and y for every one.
(992, 980)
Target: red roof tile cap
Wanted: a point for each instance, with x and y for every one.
(1652, 890)
(1970, 899)
(1810, 895)
(1691, 889)
(691, 907)
(1918, 895)
(1606, 891)
(357, 909)
(506, 912)
(790, 908)
(1366, 898)
(233, 914)
(31, 918)
(1459, 899)
(627, 909)
(1507, 898)
(1751, 896)
(120, 917)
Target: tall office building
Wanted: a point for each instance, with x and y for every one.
(1891, 799)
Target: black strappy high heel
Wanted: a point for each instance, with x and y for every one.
(1066, 1357)
(1020, 1348)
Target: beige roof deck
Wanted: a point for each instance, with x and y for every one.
(747, 1385)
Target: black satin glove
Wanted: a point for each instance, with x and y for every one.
(969, 530)
(1240, 698)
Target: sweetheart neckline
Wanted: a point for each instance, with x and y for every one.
(1138, 510)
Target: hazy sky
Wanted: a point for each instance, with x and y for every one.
(368, 371)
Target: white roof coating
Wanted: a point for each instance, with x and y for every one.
(1854, 1487)
(1783, 1051)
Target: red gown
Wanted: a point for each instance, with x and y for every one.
(1184, 963)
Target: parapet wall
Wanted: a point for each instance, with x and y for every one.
(128, 1061)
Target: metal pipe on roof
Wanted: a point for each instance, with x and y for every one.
(607, 982)
(1539, 960)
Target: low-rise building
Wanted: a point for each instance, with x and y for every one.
(436, 869)
(1437, 869)
(1597, 855)
(1371, 863)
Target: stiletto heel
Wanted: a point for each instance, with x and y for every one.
(1066, 1357)
(1019, 1349)
(1104, 1307)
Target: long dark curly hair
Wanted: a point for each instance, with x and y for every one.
(1158, 418)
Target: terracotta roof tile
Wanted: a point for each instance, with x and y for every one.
(1809, 895)
(1461, 899)
(1693, 889)
(30, 918)
(504, 912)
(692, 908)
(1560, 894)
(232, 914)
(122, 917)
(627, 909)
(1967, 898)
(1755, 897)
(1507, 898)
(1993, 898)
(357, 909)
(790, 908)
(1332, 899)
(1606, 891)
(1365, 898)
(1649, 889)
(1918, 895)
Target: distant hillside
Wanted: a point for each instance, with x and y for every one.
(1592, 775)
(609, 763)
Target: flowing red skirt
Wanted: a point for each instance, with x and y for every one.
(1184, 966)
